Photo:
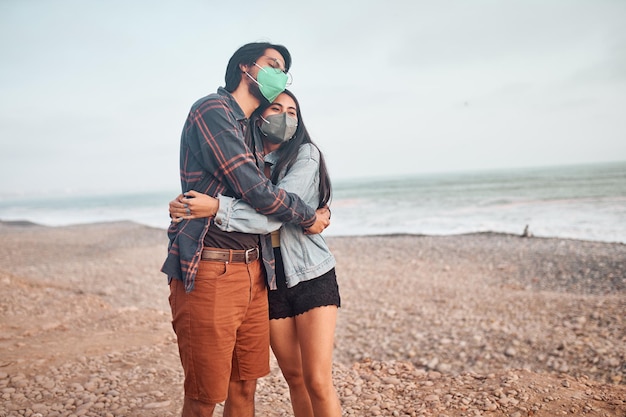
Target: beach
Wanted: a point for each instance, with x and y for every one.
(463, 325)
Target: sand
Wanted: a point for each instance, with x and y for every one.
(470, 325)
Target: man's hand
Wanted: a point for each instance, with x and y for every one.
(193, 205)
(322, 221)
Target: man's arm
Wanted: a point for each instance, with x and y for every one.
(222, 152)
(301, 179)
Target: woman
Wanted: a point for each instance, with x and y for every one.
(303, 308)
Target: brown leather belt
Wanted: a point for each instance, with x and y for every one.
(230, 255)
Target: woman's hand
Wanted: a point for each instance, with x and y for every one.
(322, 221)
(193, 205)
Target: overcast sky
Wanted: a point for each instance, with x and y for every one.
(94, 94)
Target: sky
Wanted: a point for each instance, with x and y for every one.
(94, 94)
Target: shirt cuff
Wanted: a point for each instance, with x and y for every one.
(224, 212)
(308, 223)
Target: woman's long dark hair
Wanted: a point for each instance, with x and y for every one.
(288, 151)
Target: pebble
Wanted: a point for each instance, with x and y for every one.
(474, 326)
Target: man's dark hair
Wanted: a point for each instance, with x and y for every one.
(247, 55)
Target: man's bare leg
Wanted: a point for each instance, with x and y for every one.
(240, 401)
(195, 408)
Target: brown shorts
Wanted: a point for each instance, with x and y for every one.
(222, 327)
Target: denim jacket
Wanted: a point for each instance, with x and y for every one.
(214, 159)
(304, 256)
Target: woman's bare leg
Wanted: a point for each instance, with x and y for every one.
(284, 341)
(315, 331)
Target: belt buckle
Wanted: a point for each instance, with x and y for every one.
(248, 252)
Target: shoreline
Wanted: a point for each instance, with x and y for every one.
(429, 325)
(29, 223)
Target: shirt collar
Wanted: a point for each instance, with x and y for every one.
(232, 103)
(271, 158)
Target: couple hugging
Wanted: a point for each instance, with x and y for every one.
(245, 245)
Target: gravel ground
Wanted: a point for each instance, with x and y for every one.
(470, 325)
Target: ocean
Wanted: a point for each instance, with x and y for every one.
(586, 202)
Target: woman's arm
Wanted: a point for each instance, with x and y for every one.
(236, 215)
(301, 179)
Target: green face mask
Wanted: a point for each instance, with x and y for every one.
(271, 81)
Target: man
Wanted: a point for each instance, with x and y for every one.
(218, 292)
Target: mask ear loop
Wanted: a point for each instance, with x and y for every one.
(260, 67)
(258, 124)
(252, 78)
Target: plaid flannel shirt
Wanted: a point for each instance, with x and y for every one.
(215, 160)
